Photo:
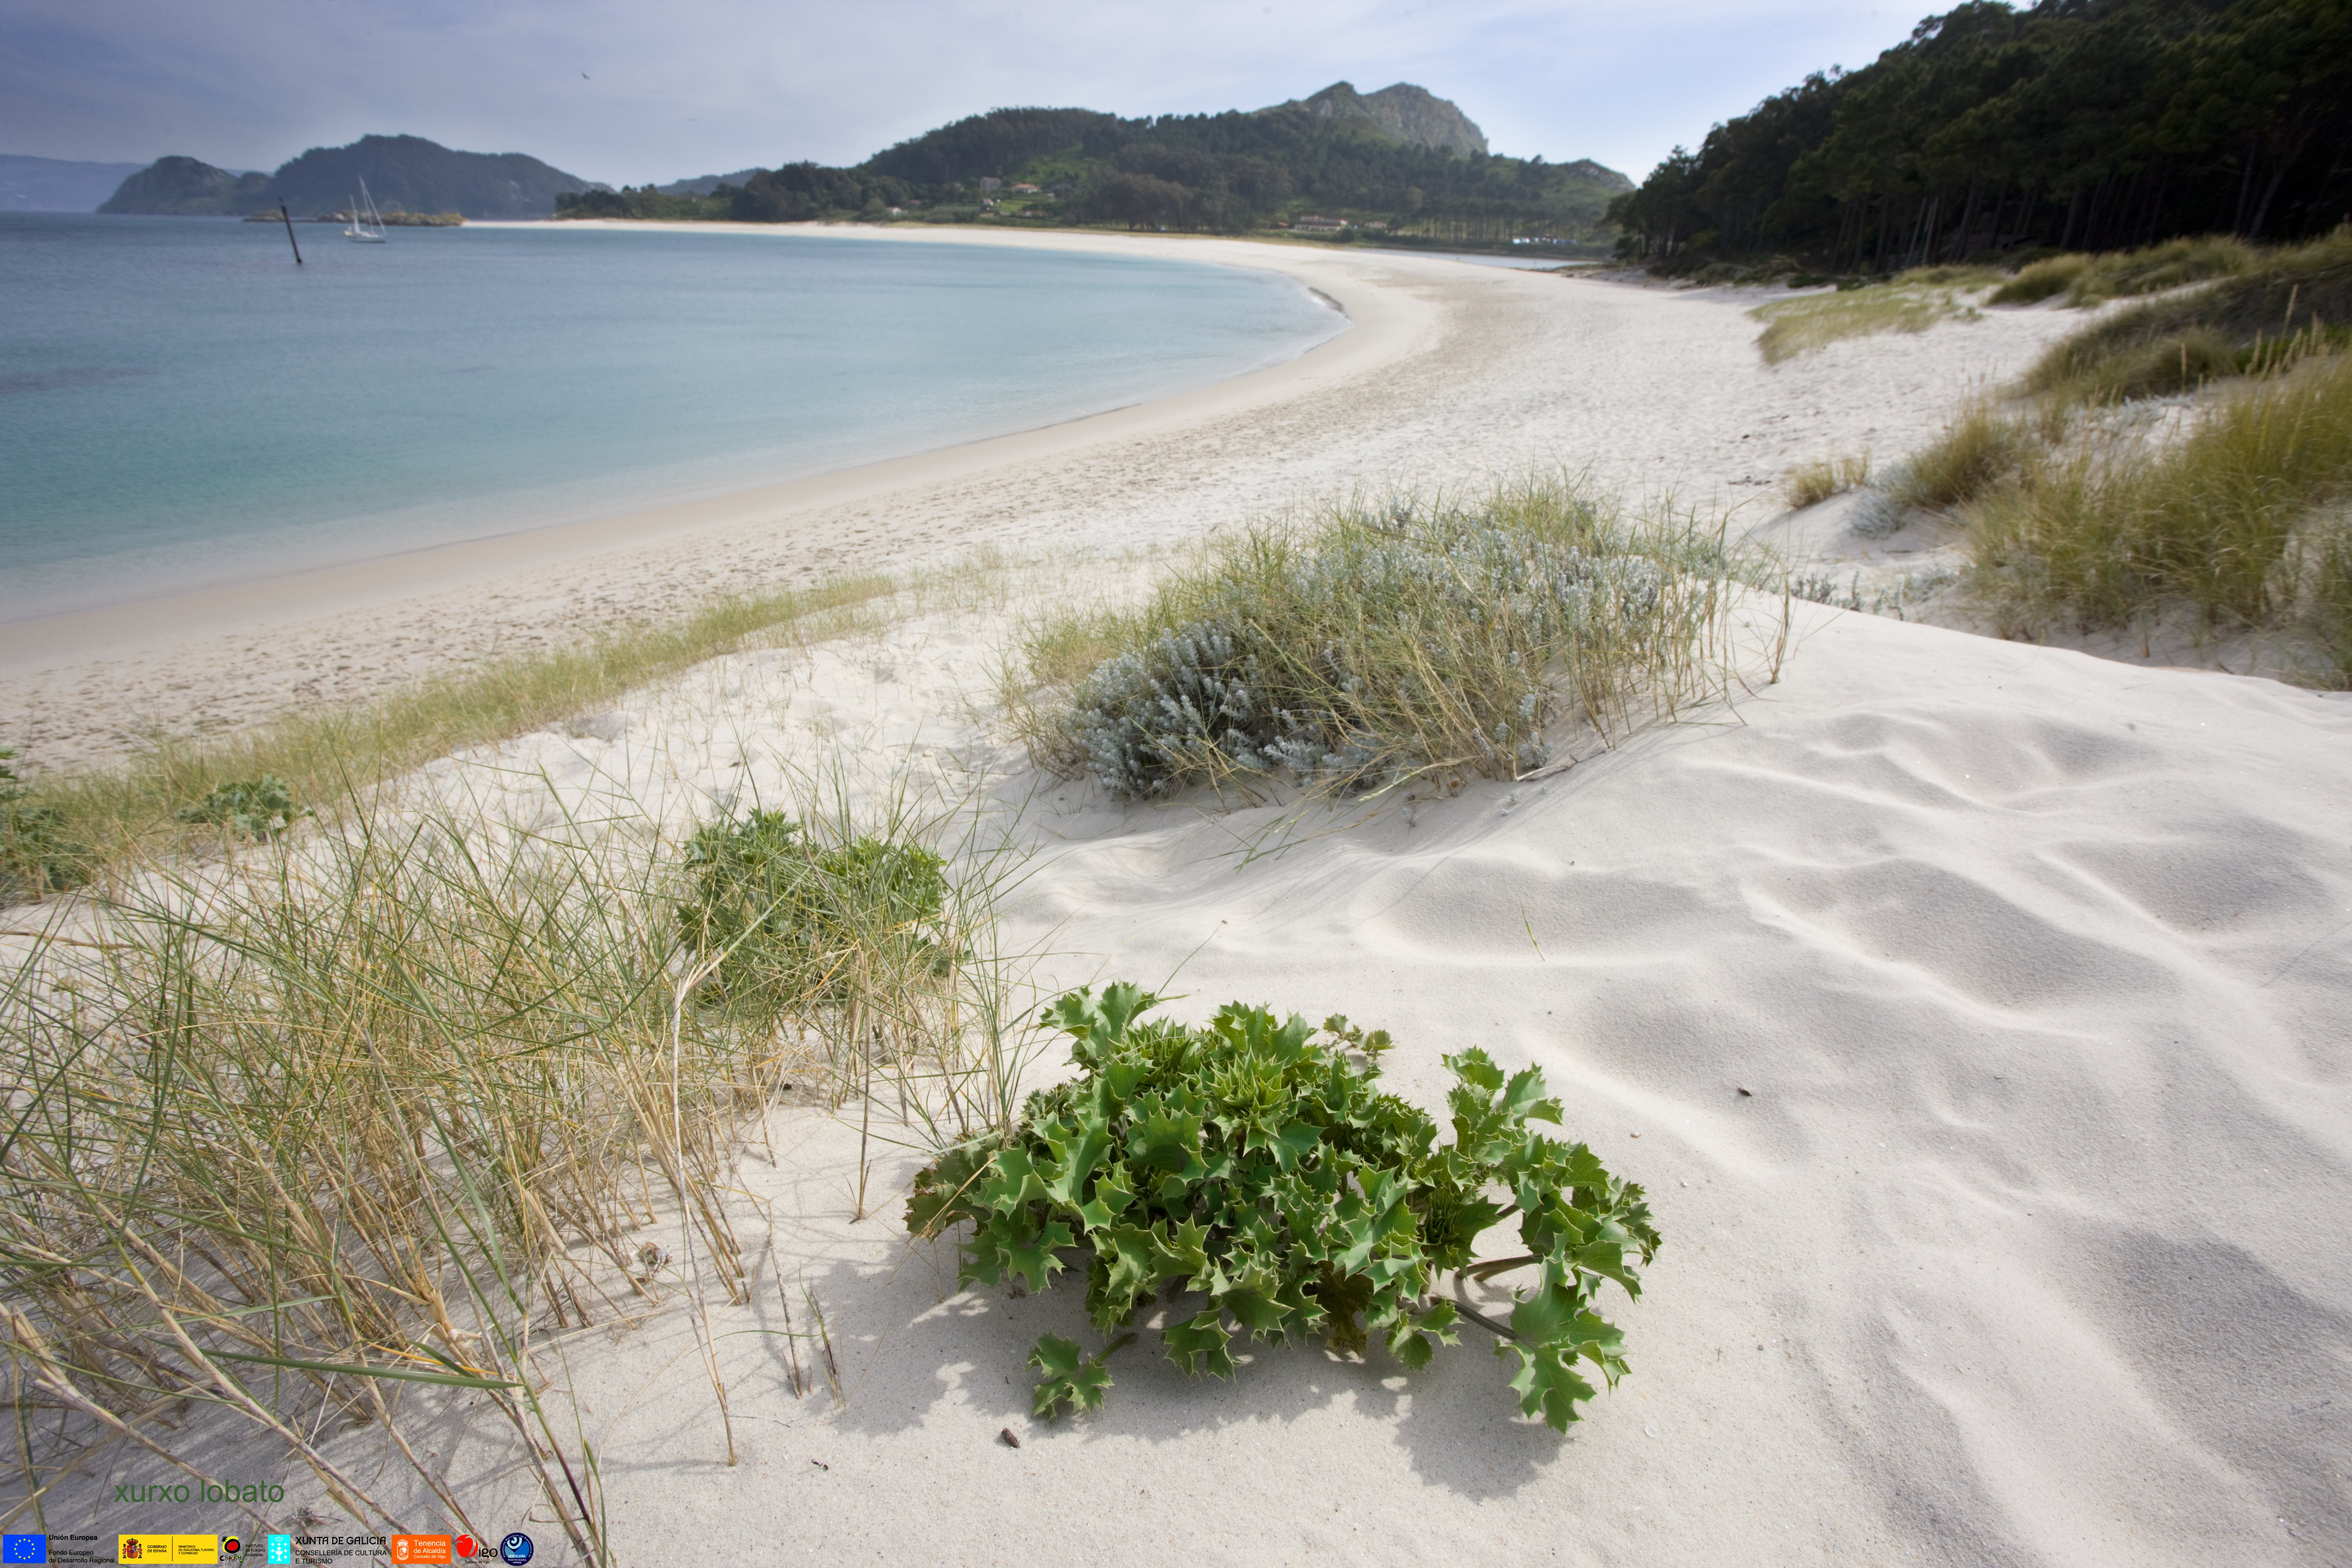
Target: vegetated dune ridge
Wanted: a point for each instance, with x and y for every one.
(2023, 1243)
(1451, 374)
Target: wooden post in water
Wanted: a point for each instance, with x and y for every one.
(289, 219)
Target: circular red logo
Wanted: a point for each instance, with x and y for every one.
(465, 1545)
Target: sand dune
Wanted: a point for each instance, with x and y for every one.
(2022, 1244)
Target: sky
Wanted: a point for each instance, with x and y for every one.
(627, 91)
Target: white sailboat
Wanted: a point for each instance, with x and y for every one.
(367, 224)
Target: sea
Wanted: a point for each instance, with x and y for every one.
(181, 405)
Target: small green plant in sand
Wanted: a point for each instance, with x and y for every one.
(1251, 1170)
(1805, 322)
(782, 916)
(249, 808)
(36, 856)
(1375, 643)
(1809, 484)
(1883, 595)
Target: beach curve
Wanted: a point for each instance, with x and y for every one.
(1450, 374)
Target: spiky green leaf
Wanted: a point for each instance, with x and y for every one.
(1547, 1385)
(1073, 1380)
(1198, 1344)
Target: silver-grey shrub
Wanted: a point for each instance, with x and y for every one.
(1373, 642)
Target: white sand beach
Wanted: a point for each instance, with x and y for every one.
(1978, 1015)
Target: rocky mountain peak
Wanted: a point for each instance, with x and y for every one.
(1407, 113)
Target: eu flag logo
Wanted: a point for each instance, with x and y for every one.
(24, 1549)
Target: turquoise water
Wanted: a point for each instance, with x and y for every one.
(179, 405)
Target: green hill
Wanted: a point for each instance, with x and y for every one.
(404, 173)
(703, 185)
(188, 187)
(412, 175)
(1400, 163)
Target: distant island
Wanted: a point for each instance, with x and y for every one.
(407, 175)
(57, 184)
(1401, 165)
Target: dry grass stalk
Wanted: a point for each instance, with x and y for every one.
(1809, 484)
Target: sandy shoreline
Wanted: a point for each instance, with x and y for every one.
(1451, 373)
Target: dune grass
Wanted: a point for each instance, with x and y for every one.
(358, 1131)
(356, 1124)
(1979, 446)
(1952, 274)
(35, 857)
(2268, 308)
(66, 827)
(2040, 280)
(2080, 514)
(1806, 322)
(2268, 313)
(2091, 280)
(2121, 275)
(1809, 484)
(1370, 643)
(2241, 517)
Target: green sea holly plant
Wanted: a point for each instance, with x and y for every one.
(257, 808)
(1247, 1178)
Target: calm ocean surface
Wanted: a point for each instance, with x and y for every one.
(180, 405)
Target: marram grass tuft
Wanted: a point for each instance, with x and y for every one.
(1372, 643)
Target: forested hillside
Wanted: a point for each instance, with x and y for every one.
(1398, 162)
(2074, 124)
(402, 173)
(1337, 153)
(410, 173)
(188, 187)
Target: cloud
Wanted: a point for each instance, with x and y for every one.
(628, 92)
